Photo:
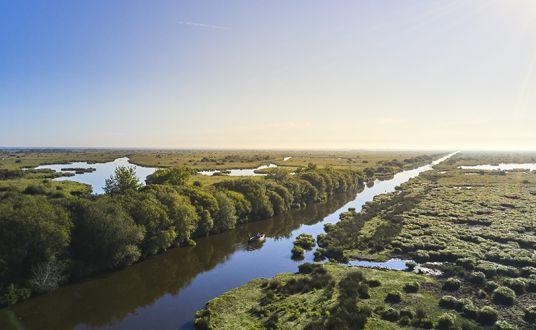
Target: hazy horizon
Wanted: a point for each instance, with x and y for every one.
(358, 75)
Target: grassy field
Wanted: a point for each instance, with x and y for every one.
(247, 307)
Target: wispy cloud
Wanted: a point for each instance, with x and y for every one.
(204, 26)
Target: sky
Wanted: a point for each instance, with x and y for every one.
(307, 74)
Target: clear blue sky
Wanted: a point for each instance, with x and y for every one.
(263, 74)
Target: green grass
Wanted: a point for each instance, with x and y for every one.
(234, 309)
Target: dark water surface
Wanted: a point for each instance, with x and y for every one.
(164, 291)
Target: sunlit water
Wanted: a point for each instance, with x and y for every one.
(241, 172)
(164, 292)
(102, 172)
(501, 167)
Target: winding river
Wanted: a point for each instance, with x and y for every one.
(164, 291)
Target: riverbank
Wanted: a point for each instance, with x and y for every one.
(477, 231)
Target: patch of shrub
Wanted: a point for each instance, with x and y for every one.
(12, 295)
(490, 286)
(446, 321)
(407, 312)
(517, 284)
(530, 314)
(452, 284)
(390, 314)
(393, 297)
(470, 311)
(477, 278)
(305, 241)
(374, 283)
(503, 295)
(297, 252)
(487, 315)
(411, 265)
(412, 287)
(503, 325)
(450, 302)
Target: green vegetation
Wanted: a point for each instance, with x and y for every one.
(476, 232)
(54, 232)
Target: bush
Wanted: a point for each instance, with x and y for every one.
(452, 284)
(503, 325)
(490, 286)
(404, 321)
(374, 283)
(446, 321)
(530, 314)
(297, 252)
(12, 295)
(450, 302)
(393, 297)
(503, 295)
(305, 241)
(319, 254)
(407, 312)
(412, 287)
(516, 284)
(390, 314)
(470, 311)
(411, 265)
(477, 278)
(487, 315)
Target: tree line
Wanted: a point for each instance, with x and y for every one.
(46, 241)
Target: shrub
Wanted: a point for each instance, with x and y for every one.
(516, 284)
(404, 321)
(425, 323)
(297, 252)
(477, 278)
(530, 314)
(306, 268)
(363, 291)
(452, 284)
(393, 297)
(470, 311)
(12, 295)
(411, 265)
(490, 286)
(390, 314)
(531, 285)
(450, 302)
(446, 321)
(305, 241)
(503, 325)
(487, 315)
(319, 254)
(412, 287)
(503, 295)
(407, 312)
(374, 283)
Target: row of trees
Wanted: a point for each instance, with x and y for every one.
(45, 241)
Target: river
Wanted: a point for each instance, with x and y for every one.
(163, 292)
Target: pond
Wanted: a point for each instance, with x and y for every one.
(241, 172)
(501, 167)
(163, 292)
(96, 178)
(394, 264)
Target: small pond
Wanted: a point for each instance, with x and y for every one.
(240, 172)
(103, 171)
(501, 167)
(394, 264)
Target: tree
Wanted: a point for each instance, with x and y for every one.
(160, 232)
(225, 218)
(105, 236)
(47, 276)
(33, 231)
(177, 176)
(124, 180)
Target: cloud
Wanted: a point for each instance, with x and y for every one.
(204, 26)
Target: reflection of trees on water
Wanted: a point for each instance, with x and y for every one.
(106, 300)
